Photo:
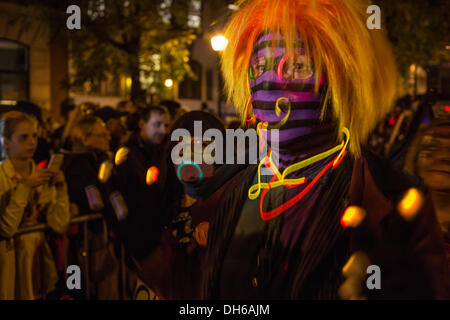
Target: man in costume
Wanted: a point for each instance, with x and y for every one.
(312, 70)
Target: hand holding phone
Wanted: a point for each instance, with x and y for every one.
(55, 162)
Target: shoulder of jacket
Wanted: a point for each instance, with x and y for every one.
(390, 180)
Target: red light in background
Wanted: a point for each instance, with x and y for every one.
(152, 175)
(42, 164)
(447, 108)
(392, 120)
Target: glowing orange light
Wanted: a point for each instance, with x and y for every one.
(105, 171)
(353, 216)
(201, 233)
(152, 175)
(411, 204)
(121, 156)
(356, 266)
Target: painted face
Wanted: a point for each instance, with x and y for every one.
(23, 142)
(282, 90)
(434, 159)
(155, 129)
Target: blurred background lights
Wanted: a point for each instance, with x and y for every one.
(411, 204)
(168, 83)
(105, 171)
(121, 156)
(353, 216)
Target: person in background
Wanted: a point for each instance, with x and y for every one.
(171, 269)
(90, 148)
(234, 124)
(174, 109)
(112, 120)
(126, 106)
(28, 195)
(66, 108)
(429, 158)
(143, 151)
(80, 111)
(43, 148)
(207, 108)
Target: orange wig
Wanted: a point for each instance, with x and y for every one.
(358, 63)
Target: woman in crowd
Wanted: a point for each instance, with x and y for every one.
(28, 195)
(89, 139)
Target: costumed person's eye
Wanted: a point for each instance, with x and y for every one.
(296, 68)
(299, 67)
(258, 68)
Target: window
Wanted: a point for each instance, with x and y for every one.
(96, 8)
(195, 14)
(14, 70)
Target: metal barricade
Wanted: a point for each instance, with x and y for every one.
(84, 220)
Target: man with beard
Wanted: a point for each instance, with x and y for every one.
(142, 151)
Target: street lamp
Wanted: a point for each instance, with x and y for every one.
(168, 83)
(219, 43)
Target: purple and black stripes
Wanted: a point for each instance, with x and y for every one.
(303, 128)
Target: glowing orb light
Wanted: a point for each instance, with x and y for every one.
(121, 156)
(353, 216)
(152, 175)
(356, 266)
(411, 204)
(104, 173)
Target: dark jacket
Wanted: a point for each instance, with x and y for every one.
(81, 170)
(410, 255)
(145, 218)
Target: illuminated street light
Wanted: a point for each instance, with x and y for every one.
(219, 43)
(168, 83)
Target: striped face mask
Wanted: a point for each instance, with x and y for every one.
(283, 97)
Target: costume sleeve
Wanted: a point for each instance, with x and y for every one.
(11, 210)
(428, 247)
(170, 271)
(58, 212)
